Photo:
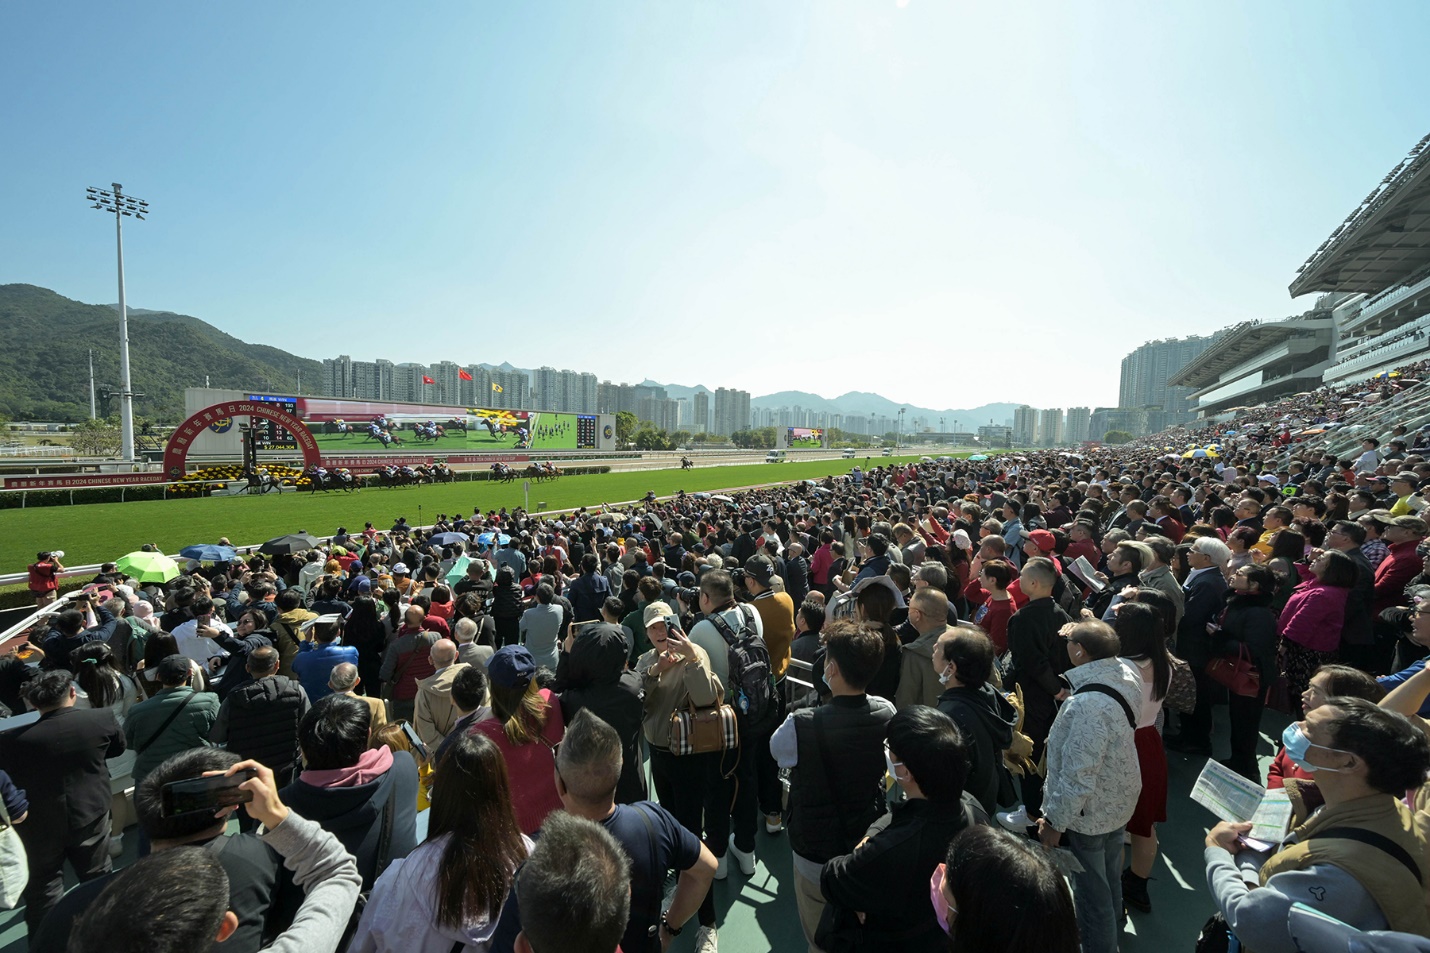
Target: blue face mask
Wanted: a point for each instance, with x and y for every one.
(1297, 746)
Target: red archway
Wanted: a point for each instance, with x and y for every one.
(177, 449)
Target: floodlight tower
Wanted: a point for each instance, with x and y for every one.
(122, 206)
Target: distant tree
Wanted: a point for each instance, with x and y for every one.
(701, 437)
(1116, 436)
(648, 438)
(95, 438)
(680, 438)
(626, 424)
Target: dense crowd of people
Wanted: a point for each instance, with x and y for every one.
(951, 685)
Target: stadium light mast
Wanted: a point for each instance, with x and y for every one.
(122, 206)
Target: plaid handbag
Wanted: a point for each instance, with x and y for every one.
(702, 730)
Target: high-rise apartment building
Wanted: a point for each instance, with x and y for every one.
(701, 412)
(1050, 427)
(1025, 426)
(1145, 373)
(1075, 430)
(732, 411)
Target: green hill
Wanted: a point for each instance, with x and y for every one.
(44, 372)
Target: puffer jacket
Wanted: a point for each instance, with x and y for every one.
(1093, 773)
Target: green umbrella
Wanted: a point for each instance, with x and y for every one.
(148, 567)
(458, 570)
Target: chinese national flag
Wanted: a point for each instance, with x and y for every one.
(462, 373)
(427, 380)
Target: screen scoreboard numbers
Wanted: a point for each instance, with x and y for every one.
(585, 432)
(268, 435)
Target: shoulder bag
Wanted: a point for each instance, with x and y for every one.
(14, 865)
(140, 749)
(1238, 675)
(703, 730)
(1181, 687)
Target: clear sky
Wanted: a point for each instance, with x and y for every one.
(944, 202)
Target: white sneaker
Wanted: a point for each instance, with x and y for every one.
(721, 871)
(706, 941)
(774, 823)
(116, 846)
(746, 859)
(1016, 821)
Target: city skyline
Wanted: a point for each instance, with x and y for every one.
(605, 182)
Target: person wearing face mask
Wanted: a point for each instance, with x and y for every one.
(963, 662)
(1358, 857)
(1094, 779)
(878, 893)
(997, 893)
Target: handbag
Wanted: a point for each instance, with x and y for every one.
(1181, 687)
(14, 865)
(1238, 675)
(703, 730)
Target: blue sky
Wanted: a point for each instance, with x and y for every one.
(947, 203)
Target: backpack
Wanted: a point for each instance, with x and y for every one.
(751, 672)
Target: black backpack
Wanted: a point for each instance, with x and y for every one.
(751, 673)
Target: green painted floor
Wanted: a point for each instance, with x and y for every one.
(757, 913)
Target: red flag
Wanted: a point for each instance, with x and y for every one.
(462, 373)
(427, 380)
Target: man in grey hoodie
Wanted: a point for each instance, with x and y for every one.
(1093, 776)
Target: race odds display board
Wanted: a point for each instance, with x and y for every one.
(268, 435)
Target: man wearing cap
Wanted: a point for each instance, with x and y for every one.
(1403, 485)
(435, 714)
(318, 654)
(1402, 535)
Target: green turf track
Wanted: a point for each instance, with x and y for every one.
(98, 532)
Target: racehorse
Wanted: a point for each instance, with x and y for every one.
(542, 472)
(503, 473)
(428, 431)
(261, 482)
(686, 463)
(394, 476)
(338, 427)
(441, 473)
(338, 479)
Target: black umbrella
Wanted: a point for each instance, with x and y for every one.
(295, 543)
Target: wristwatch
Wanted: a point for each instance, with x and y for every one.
(673, 931)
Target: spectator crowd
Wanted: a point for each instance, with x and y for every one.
(951, 685)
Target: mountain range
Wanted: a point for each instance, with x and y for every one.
(44, 374)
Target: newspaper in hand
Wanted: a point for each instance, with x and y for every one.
(1232, 797)
(1085, 571)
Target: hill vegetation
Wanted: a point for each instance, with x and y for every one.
(44, 372)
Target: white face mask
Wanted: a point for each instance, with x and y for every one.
(946, 675)
(892, 765)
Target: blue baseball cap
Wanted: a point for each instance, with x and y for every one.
(511, 666)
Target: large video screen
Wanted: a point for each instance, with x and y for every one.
(354, 426)
(805, 437)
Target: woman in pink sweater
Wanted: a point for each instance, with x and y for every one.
(1310, 625)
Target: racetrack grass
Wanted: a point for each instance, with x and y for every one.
(99, 532)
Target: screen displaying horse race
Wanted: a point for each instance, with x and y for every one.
(353, 426)
(804, 437)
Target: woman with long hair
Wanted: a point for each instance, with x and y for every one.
(1310, 624)
(160, 646)
(449, 892)
(1139, 629)
(364, 631)
(1288, 548)
(1248, 623)
(101, 683)
(1000, 894)
(392, 610)
(875, 605)
(525, 725)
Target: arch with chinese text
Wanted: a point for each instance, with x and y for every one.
(176, 451)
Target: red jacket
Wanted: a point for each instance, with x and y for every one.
(1172, 528)
(1314, 616)
(1394, 572)
(819, 565)
(1282, 767)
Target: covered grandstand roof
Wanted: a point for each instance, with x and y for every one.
(1234, 346)
(1383, 241)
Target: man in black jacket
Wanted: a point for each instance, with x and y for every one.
(59, 762)
(250, 632)
(836, 753)
(963, 659)
(592, 674)
(346, 787)
(1205, 597)
(68, 632)
(260, 718)
(1359, 646)
(261, 893)
(1039, 660)
(796, 574)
